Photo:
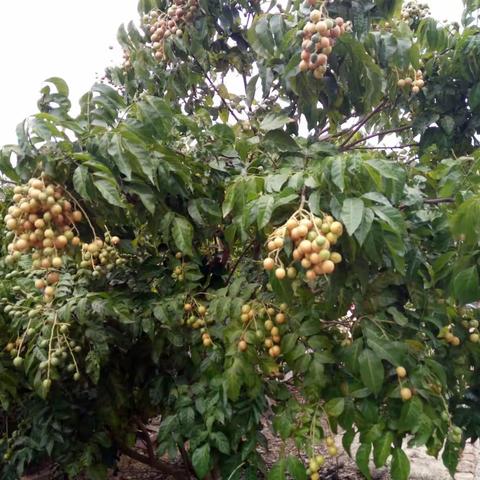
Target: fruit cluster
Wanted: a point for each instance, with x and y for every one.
(319, 36)
(54, 349)
(311, 238)
(161, 25)
(472, 327)
(101, 256)
(316, 462)
(196, 318)
(405, 392)
(415, 85)
(413, 11)
(43, 222)
(268, 321)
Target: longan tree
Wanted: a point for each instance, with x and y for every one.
(268, 213)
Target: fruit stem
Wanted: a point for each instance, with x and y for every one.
(71, 353)
(23, 338)
(50, 344)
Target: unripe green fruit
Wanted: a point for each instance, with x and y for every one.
(17, 362)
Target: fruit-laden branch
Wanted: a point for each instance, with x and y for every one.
(377, 134)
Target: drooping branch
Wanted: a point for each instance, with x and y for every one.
(377, 134)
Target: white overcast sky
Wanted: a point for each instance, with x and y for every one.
(45, 38)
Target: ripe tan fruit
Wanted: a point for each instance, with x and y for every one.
(57, 262)
(474, 337)
(115, 240)
(405, 393)
(336, 228)
(311, 275)
(305, 246)
(39, 283)
(280, 273)
(291, 272)
(274, 351)
(77, 216)
(291, 224)
(268, 264)
(53, 278)
(328, 266)
(321, 27)
(242, 345)
(303, 66)
(456, 341)
(49, 291)
(415, 89)
(401, 372)
(335, 257)
(306, 263)
(278, 242)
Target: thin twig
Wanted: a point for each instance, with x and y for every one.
(237, 262)
(377, 134)
(399, 147)
(362, 122)
(212, 84)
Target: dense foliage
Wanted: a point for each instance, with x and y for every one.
(136, 233)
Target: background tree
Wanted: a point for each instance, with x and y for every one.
(134, 238)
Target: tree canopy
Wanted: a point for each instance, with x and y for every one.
(260, 189)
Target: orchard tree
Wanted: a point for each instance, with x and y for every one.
(260, 189)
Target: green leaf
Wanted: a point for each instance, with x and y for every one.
(371, 370)
(201, 460)
(109, 191)
(335, 407)
(338, 172)
(382, 448)
(277, 472)
(352, 214)
(362, 458)
(80, 179)
(365, 226)
(451, 456)
(60, 84)
(400, 469)
(264, 206)
(466, 286)
(296, 468)
(182, 233)
(272, 121)
(411, 412)
(221, 443)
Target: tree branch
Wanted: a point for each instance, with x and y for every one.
(378, 134)
(361, 123)
(154, 463)
(400, 147)
(148, 440)
(432, 201)
(210, 81)
(436, 201)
